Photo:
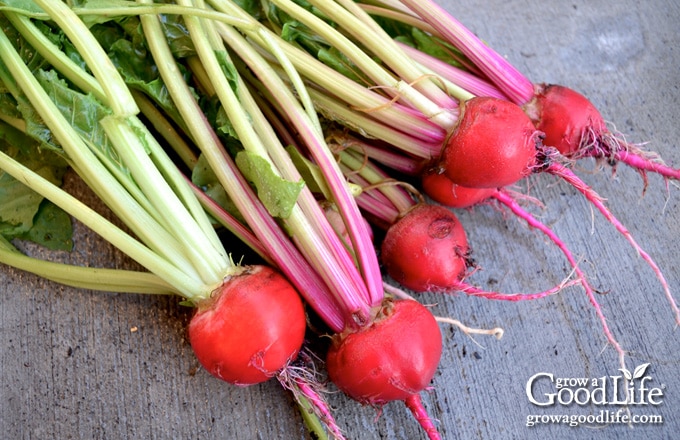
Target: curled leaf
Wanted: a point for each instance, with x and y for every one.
(277, 194)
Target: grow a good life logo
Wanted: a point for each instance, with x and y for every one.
(612, 395)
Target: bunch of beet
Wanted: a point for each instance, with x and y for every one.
(315, 161)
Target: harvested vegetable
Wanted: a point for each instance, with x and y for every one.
(571, 122)
(204, 95)
(174, 239)
(493, 145)
(132, 174)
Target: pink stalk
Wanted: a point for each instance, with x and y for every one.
(320, 406)
(468, 81)
(285, 256)
(373, 105)
(566, 174)
(425, 142)
(390, 158)
(608, 145)
(396, 11)
(263, 226)
(306, 199)
(640, 164)
(374, 204)
(392, 191)
(230, 222)
(301, 379)
(361, 241)
(362, 244)
(415, 404)
(323, 249)
(510, 80)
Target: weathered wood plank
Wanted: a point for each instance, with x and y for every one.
(80, 364)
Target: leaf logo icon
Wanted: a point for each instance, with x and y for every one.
(640, 371)
(636, 374)
(626, 374)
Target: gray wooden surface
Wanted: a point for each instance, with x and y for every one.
(81, 364)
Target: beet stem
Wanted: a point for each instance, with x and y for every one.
(643, 164)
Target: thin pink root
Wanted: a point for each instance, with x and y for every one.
(471, 290)
(508, 201)
(415, 405)
(566, 174)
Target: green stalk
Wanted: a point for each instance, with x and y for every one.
(294, 77)
(399, 16)
(187, 221)
(396, 86)
(211, 262)
(91, 278)
(359, 24)
(82, 79)
(340, 276)
(337, 84)
(120, 100)
(165, 129)
(58, 59)
(357, 163)
(185, 285)
(373, 128)
(87, 164)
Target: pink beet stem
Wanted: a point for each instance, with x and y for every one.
(499, 70)
(606, 144)
(565, 173)
(415, 405)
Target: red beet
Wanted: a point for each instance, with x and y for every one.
(442, 190)
(426, 250)
(567, 118)
(251, 327)
(392, 359)
(494, 145)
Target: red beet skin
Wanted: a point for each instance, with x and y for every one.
(567, 118)
(494, 145)
(392, 359)
(442, 190)
(250, 329)
(426, 250)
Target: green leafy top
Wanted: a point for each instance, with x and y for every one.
(23, 213)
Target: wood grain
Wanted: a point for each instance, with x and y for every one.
(78, 364)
